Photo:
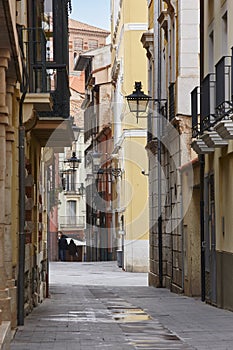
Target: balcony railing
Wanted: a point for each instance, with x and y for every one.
(207, 102)
(216, 96)
(73, 188)
(223, 87)
(44, 75)
(71, 222)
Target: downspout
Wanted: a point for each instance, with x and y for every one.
(182, 220)
(202, 163)
(160, 237)
(21, 215)
(20, 284)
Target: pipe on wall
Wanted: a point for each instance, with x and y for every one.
(21, 250)
(202, 163)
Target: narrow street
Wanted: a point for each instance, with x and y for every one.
(98, 306)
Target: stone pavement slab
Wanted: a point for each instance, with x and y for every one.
(99, 306)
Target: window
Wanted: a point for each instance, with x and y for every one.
(71, 212)
(75, 58)
(78, 44)
(173, 53)
(224, 35)
(211, 52)
(70, 181)
(93, 44)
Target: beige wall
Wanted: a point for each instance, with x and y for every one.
(191, 232)
(224, 203)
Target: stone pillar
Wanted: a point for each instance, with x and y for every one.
(4, 122)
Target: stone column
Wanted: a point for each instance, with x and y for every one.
(4, 122)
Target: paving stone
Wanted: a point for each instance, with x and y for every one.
(99, 306)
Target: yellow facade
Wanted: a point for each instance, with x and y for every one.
(130, 57)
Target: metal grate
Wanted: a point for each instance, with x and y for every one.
(171, 101)
(223, 106)
(207, 90)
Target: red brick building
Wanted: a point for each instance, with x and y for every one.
(82, 37)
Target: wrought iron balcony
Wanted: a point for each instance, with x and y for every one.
(216, 126)
(44, 75)
(224, 80)
(73, 188)
(207, 91)
(71, 222)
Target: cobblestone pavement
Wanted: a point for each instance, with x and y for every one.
(99, 306)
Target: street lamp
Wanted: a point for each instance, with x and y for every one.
(138, 101)
(68, 175)
(73, 161)
(97, 169)
(116, 172)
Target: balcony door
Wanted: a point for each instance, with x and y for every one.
(71, 212)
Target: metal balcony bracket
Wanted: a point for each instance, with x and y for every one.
(225, 129)
(213, 140)
(200, 147)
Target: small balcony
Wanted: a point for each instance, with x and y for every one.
(224, 98)
(224, 80)
(216, 116)
(47, 98)
(204, 123)
(71, 222)
(43, 75)
(73, 188)
(207, 101)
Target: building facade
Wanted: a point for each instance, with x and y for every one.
(129, 64)
(72, 209)
(34, 103)
(212, 140)
(172, 48)
(98, 148)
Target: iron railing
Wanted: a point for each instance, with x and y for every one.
(70, 187)
(45, 76)
(207, 91)
(223, 102)
(71, 221)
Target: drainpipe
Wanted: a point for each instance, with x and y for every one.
(160, 237)
(202, 224)
(202, 164)
(20, 284)
(21, 261)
